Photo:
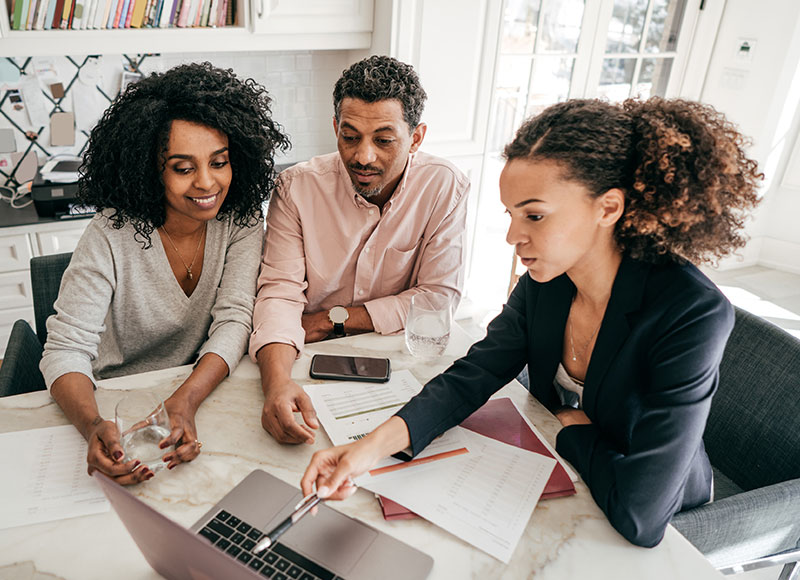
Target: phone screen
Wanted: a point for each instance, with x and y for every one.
(353, 367)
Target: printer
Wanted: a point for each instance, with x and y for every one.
(55, 187)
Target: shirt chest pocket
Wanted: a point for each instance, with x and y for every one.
(399, 269)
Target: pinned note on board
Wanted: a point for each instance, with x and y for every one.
(62, 129)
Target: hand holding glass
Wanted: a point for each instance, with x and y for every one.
(428, 325)
(143, 423)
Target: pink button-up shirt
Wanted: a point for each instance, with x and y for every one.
(326, 246)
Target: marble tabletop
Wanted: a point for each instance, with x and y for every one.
(566, 537)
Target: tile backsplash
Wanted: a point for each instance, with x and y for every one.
(301, 84)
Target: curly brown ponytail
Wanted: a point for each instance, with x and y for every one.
(687, 181)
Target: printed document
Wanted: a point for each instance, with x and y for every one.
(485, 497)
(349, 410)
(45, 477)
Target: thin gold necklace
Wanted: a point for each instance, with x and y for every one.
(197, 249)
(585, 346)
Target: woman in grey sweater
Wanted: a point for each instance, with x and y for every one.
(179, 169)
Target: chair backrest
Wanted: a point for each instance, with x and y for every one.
(753, 431)
(46, 273)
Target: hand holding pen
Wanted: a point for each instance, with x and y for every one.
(305, 505)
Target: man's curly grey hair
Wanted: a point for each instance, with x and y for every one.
(378, 78)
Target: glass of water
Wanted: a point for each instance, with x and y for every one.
(428, 325)
(143, 423)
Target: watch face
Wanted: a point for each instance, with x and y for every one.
(338, 314)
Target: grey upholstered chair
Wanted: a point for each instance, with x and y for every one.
(753, 440)
(20, 370)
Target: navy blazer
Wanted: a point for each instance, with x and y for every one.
(648, 387)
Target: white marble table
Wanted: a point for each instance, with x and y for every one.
(566, 537)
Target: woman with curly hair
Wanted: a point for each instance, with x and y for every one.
(179, 168)
(622, 334)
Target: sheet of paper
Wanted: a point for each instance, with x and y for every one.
(44, 477)
(485, 497)
(349, 410)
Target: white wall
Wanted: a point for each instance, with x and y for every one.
(760, 94)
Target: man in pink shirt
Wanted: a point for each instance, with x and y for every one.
(353, 235)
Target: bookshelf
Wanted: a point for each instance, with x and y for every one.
(258, 25)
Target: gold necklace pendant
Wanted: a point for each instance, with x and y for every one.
(197, 249)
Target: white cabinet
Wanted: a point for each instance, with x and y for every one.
(58, 241)
(261, 25)
(452, 45)
(15, 252)
(311, 24)
(17, 246)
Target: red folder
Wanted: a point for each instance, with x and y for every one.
(500, 420)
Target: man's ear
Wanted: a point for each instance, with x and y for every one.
(612, 206)
(335, 127)
(417, 137)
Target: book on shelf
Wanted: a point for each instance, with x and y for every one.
(113, 15)
(212, 13)
(51, 10)
(57, 14)
(41, 13)
(121, 13)
(33, 16)
(136, 14)
(71, 14)
(65, 13)
(31, 13)
(155, 11)
(88, 21)
(102, 14)
(129, 13)
(76, 18)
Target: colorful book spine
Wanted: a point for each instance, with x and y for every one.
(212, 13)
(203, 21)
(186, 5)
(77, 14)
(71, 14)
(17, 14)
(113, 16)
(38, 15)
(129, 13)
(65, 13)
(102, 17)
(48, 17)
(173, 16)
(223, 7)
(57, 14)
(31, 13)
(123, 12)
(135, 14)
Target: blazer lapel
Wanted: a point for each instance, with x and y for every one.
(626, 297)
(547, 332)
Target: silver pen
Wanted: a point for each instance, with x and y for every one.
(302, 508)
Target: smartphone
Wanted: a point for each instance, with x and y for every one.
(350, 368)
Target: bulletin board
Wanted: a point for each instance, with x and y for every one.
(50, 104)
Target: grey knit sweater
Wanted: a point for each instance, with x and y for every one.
(120, 310)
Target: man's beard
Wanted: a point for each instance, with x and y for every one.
(365, 192)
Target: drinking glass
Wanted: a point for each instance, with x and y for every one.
(143, 423)
(428, 325)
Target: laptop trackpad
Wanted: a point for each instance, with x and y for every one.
(330, 539)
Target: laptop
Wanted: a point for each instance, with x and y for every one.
(219, 545)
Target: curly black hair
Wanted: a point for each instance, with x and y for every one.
(124, 160)
(378, 78)
(687, 182)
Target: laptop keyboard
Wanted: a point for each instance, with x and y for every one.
(237, 538)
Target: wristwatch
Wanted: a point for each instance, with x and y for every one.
(338, 315)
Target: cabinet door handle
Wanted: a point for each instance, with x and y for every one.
(260, 8)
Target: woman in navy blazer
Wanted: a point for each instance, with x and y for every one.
(623, 336)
